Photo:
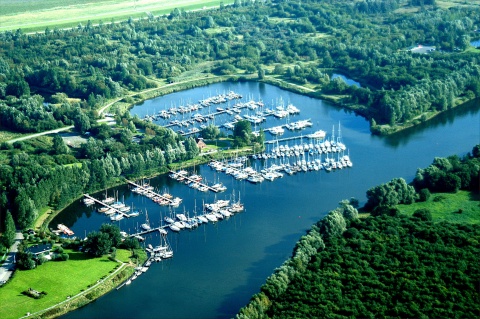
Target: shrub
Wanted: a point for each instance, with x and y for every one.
(423, 214)
(423, 195)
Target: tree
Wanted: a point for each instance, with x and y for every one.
(191, 148)
(261, 73)
(113, 233)
(59, 146)
(81, 122)
(333, 224)
(8, 236)
(25, 260)
(242, 133)
(423, 214)
(98, 243)
(210, 132)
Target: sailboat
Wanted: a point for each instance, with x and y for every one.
(146, 225)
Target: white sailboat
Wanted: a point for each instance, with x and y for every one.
(146, 225)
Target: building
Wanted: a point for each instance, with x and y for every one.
(201, 144)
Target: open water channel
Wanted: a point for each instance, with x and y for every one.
(218, 267)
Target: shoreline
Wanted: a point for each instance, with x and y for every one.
(174, 87)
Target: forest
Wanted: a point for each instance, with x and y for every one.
(304, 42)
(62, 77)
(384, 265)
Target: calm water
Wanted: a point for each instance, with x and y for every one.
(217, 268)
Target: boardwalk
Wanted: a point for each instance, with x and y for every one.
(103, 204)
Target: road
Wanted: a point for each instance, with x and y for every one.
(8, 266)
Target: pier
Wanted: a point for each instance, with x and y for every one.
(106, 205)
(191, 180)
(285, 139)
(144, 232)
(147, 191)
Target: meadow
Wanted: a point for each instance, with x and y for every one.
(446, 206)
(59, 279)
(32, 15)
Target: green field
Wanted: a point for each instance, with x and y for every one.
(445, 206)
(58, 279)
(34, 15)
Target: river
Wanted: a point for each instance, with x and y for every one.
(217, 268)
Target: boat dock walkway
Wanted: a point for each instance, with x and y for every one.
(190, 180)
(151, 230)
(285, 139)
(147, 191)
(106, 205)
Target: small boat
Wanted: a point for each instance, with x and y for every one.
(116, 217)
(103, 209)
(88, 201)
(135, 213)
(146, 225)
(203, 219)
(174, 227)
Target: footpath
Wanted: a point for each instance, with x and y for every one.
(7, 268)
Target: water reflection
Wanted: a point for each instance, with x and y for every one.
(448, 117)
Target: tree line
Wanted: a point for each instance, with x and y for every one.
(307, 40)
(387, 264)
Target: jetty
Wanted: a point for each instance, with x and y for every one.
(183, 176)
(151, 194)
(106, 205)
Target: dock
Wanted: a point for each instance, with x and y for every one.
(190, 180)
(285, 139)
(106, 205)
(147, 191)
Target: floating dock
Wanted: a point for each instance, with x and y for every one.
(106, 205)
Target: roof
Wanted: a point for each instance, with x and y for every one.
(38, 249)
(422, 49)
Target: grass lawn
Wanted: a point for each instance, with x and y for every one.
(59, 279)
(445, 206)
(42, 216)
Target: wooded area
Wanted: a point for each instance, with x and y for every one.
(386, 265)
(300, 41)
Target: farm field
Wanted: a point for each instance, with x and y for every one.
(32, 15)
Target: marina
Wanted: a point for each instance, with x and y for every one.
(114, 208)
(195, 181)
(233, 258)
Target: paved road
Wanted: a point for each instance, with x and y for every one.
(8, 266)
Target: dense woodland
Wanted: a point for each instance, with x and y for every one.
(386, 265)
(302, 41)
(61, 77)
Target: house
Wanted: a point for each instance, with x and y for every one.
(201, 144)
(39, 250)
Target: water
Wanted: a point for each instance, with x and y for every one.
(475, 44)
(347, 80)
(217, 268)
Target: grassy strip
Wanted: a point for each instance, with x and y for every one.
(58, 279)
(446, 206)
